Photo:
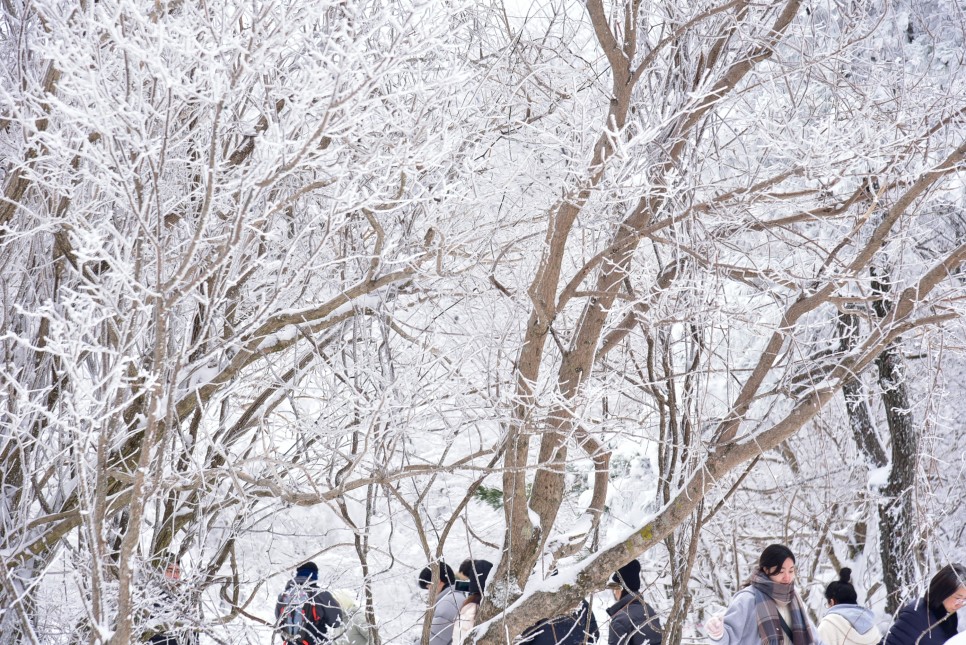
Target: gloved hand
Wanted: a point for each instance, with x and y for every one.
(714, 626)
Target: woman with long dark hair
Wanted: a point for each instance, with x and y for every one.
(931, 620)
(767, 610)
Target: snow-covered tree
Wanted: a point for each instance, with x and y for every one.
(561, 283)
(209, 214)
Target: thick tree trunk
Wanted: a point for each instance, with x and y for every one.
(897, 517)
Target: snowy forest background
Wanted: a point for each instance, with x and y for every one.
(555, 284)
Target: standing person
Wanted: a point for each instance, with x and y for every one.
(767, 611)
(356, 629)
(448, 603)
(173, 592)
(632, 621)
(846, 622)
(467, 618)
(931, 620)
(306, 614)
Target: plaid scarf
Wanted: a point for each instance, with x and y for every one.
(767, 593)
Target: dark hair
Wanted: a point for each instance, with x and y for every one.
(944, 584)
(466, 568)
(841, 590)
(773, 557)
(445, 575)
(479, 571)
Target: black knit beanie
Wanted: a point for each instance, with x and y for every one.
(628, 576)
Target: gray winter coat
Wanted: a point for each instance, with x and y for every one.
(741, 622)
(447, 610)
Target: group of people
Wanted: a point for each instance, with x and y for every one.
(458, 595)
(767, 610)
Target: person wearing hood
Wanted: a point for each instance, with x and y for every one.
(632, 621)
(847, 622)
(931, 620)
(319, 619)
(448, 602)
(767, 611)
(467, 618)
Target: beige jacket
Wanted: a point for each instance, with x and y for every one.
(465, 623)
(837, 630)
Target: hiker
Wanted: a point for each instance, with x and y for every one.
(931, 619)
(480, 569)
(172, 591)
(306, 614)
(355, 631)
(767, 610)
(846, 622)
(448, 603)
(576, 628)
(632, 621)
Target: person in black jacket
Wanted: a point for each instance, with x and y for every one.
(321, 616)
(632, 621)
(931, 620)
(577, 628)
